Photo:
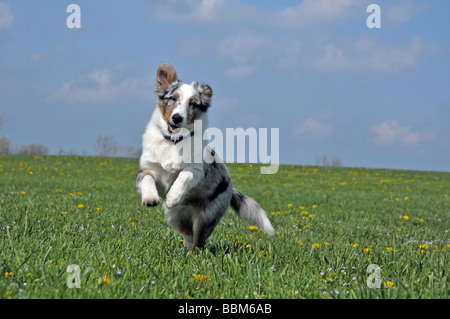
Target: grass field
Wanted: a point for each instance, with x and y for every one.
(331, 223)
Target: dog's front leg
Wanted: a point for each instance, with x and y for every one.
(186, 180)
(145, 181)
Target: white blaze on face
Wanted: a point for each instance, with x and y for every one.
(186, 92)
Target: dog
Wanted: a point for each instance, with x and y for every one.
(196, 194)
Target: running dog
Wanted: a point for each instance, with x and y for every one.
(196, 194)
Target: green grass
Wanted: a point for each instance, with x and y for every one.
(331, 224)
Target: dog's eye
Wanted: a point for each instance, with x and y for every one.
(174, 97)
(193, 105)
(171, 100)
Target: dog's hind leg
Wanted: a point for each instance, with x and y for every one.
(214, 211)
(196, 236)
(202, 234)
(217, 201)
(187, 237)
(197, 229)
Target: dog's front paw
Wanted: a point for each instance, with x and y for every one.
(172, 201)
(150, 201)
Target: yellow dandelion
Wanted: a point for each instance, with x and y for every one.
(132, 224)
(326, 244)
(8, 274)
(317, 245)
(355, 245)
(59, 191)
(79, 193)
(80, 206)
(314, 206)
(63, 213)
(202, 278)
(248, 246)
(368, 250)
(406, 217)
(252, 227)
(106, 280)
(311, 215)
(406, 198)
(289, 205)
(389, 248)
(389, 283)
(99, 209)
(24, 193)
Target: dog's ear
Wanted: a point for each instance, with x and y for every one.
(165, 75)
(205, 93)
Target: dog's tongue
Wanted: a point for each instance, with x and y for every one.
(171, 128)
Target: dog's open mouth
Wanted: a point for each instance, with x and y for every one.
(172, 128)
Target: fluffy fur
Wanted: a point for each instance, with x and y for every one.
(196, 195)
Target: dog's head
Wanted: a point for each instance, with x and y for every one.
(180, 104)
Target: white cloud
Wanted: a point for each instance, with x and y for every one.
(243, 47)
(36, 57)
(239, 71)
(192, 47)
(104, 86)
(226, 105)
(314, 12)
(307, 13)
(247, 49)
(401, 13)
(6, 16)
(312, 129)
(390, 132)
(367, 55)
(244, 51)
(210, 11)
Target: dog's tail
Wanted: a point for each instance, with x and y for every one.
(250, 211)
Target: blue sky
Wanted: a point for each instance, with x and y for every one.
(312, 68)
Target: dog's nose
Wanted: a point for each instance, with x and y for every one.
(177, 118)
